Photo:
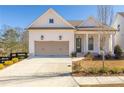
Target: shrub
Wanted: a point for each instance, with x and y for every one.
(1, 66)
(122, 69)
(77, 67)
(93, 70)
(108, 56)
(89, 56)
(117, 52)
(104, 70)
(115, 70)
(73, 54)
(98, 56)
(8, 62)
(15, 60)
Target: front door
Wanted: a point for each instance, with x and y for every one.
(78, 44)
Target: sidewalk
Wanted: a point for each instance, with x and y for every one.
(99, 80)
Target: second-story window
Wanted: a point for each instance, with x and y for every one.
(51, 21)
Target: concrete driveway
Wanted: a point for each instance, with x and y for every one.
(36, 71)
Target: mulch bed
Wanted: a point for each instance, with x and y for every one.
(104, 85)
(110, 64)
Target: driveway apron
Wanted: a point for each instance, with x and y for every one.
(39, 71)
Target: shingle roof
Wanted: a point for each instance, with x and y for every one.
(75, 23)
(50, 28)
(104, 28)
(91, 24)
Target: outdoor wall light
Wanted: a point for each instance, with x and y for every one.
(42, 37)
(60, 37)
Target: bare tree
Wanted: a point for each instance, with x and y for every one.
(105, 16)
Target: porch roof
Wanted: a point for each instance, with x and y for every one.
(96, 28)
(90, 25)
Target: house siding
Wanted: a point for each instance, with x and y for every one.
(50, 35)
(119, 36)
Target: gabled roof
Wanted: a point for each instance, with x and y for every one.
(42, 21)
(75, 23)
(90, 22)
(93, 25)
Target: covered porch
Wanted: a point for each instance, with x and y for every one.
(91, 41)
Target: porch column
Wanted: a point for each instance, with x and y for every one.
(110, 43)
(86, 43)
(99, 43)
(113, 43)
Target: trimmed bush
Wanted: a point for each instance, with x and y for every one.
(98, 56)
(117, 52)
(89, 56)
(73, 54)
(8, 62)
(108, 56)
(1, 66)
(15, 60)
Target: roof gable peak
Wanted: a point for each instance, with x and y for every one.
(43, 20)
(91, 21)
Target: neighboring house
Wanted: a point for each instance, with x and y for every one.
(51, 34)
(118, 23)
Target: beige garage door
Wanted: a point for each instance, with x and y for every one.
(48, 48)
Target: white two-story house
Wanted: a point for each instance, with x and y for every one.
(51, 34)
(118, 23)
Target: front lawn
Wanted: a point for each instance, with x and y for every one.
(94, 67)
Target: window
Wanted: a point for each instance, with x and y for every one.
(90, 43)
(51, 20)
(118, 27)
(42, 37)
(60, 37)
